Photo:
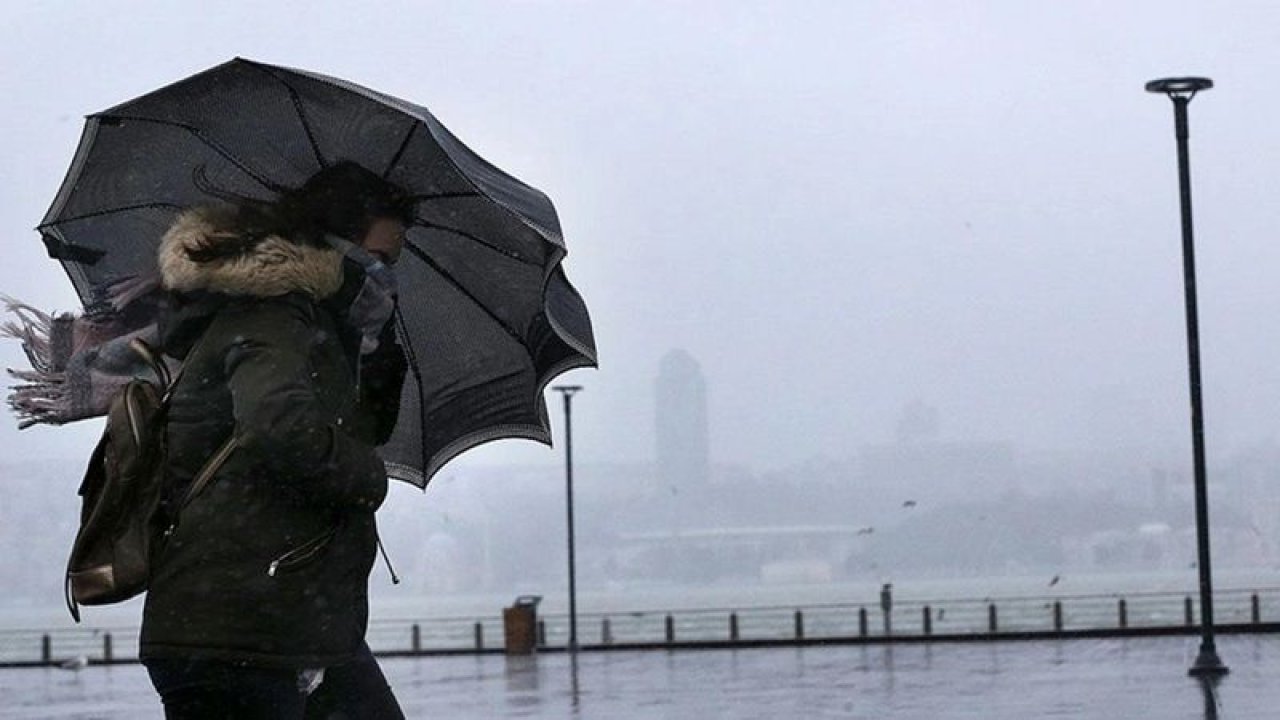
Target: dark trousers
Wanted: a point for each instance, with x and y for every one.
(220, 690)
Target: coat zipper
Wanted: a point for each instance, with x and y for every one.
(301, 554)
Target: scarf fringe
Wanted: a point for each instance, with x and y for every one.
(39, 403)
(42, 396)
(33, 328)
(122, 293)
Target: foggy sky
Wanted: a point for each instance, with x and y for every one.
(836, 208)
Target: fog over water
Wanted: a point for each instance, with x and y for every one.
(844, 213)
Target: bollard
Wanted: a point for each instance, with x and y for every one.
(671, 629)
(799, 625)
(927, 619)
(862, 622)
(1255, 609)
(992, 626)
(733, 627)
(416, 640)
(606, 632)
(106, 647)
(1057, 616)
(1122, 608)
(1188, 612)
(886, 607)
(46, 648)
(479, 633)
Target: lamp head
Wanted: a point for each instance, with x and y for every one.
(1179, 86)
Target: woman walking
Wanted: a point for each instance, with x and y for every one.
(282, 313)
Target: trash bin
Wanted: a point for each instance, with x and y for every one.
(520, 625)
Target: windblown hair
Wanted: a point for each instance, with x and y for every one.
(343, 199)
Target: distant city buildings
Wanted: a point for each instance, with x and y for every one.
(917, 503)
(923, 466)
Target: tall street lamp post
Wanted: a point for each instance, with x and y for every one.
(568, 391)
(1180, 91)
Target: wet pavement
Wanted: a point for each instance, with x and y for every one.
(1112, 678)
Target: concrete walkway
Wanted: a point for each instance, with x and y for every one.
(1080, 679)
(1104, 679)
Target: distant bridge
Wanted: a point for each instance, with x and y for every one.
(762, 532)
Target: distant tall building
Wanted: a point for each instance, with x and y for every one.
(681, 422)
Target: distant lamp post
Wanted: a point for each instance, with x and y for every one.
(568, 392)
(1180, 91)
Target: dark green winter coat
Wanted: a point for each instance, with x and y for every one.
(269, 565)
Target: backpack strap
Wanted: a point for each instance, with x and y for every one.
(205, 476)
(154, 360)
(170, 380)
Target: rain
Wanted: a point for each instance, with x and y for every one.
(883, 293)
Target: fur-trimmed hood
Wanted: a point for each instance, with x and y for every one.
(274, 267)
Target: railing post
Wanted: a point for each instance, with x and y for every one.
(992, 625)
(799, 625)
(670, 624)
(46, 648)
(106, 647)
(1057, 616)
(862, 622)
(1122, 608)
(416, 638)
(1255, 609)
(479, 633)
(733, 627)
(1188, 612)
(927, 619)
(606, 632)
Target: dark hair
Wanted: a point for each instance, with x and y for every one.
(343, 199)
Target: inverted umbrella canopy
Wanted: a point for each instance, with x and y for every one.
(487, 317)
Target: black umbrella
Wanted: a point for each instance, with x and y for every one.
(487, 315)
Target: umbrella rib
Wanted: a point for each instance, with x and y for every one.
(447, 196)
(306, 126)
(417, 252)
(474, 238)
(417, 376)
(196, 132)
(404, 145)
(297, 108)
(112, 211)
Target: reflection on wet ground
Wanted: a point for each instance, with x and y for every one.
(1104, 679)
(1134, 678)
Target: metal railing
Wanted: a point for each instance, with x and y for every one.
(912, 620)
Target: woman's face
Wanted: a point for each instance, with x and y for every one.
(384, 239)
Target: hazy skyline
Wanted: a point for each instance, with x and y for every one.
(837, 209)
